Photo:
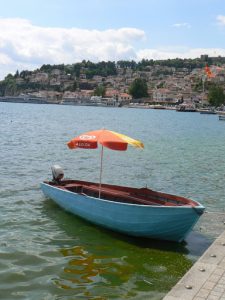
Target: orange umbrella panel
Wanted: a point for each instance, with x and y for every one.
(83, 141)
(107, 138)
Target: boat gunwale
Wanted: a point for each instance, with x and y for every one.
(197, 206)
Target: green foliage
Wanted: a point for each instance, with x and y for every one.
(48, 68)
(138, 88)
(197, 86)
(2, 88)
(17, 74)
(127, 64)
(103, 69)
(8, 86)
(13, 85)
(176, 63)
(162, 73)
(25, 74)
(161, 85)
(99, 91)
(74, 87)
(85, 67)
(216, 96)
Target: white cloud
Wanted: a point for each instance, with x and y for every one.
(221, 20)
(25, 46)
(180, 25)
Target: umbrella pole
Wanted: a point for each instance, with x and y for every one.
(100, 179)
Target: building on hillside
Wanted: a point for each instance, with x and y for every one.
(68, 83)
(97, 79)
(20, 80)
(111, 93)
(124, 97)
(163, 96)
(54, 82)
(55, 72)
(40, 77)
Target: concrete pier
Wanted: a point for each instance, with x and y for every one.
(206, 278)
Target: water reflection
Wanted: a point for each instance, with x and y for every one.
(107, 265)
(137, 271)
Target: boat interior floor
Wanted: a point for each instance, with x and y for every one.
(142, 196)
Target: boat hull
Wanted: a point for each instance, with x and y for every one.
(157, 222)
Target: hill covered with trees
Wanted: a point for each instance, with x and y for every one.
(83, 75)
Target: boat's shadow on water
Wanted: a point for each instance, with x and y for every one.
(75, 227)
(195, 243)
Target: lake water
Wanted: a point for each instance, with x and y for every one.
(47, 253)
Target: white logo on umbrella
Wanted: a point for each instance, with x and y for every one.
(87, 137)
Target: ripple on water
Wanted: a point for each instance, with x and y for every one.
(46, 253)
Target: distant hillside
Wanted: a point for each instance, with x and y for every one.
(84, 75)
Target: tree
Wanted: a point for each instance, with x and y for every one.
(11, 88)
(100, 91)
(216, 96)
(139, 88)
(17, 74)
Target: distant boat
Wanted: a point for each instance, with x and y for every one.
(139, 212)
(222, 117)
(207, 111)
(158, 106)
(186, 108)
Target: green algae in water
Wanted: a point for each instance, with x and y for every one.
(113, 266)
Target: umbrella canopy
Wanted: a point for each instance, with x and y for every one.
(107, 138)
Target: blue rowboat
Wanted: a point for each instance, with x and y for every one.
(139, 212)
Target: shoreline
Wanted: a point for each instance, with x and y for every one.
(205, 279)
(33, 100)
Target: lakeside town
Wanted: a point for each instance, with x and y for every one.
(168, 84)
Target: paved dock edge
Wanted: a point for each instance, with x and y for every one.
(206, 278)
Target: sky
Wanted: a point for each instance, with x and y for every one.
(37, 32)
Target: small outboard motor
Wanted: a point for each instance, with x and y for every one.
(57, 173)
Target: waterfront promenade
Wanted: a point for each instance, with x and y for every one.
(206, 278)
